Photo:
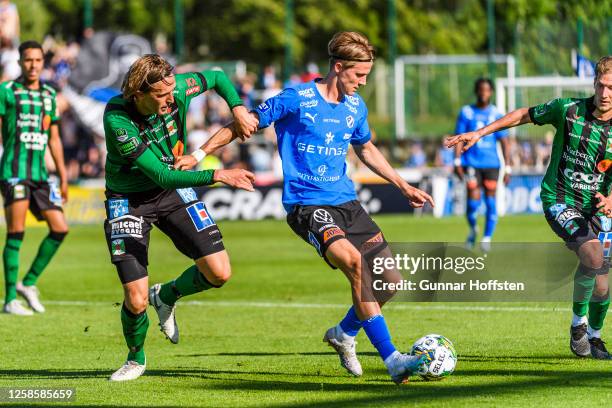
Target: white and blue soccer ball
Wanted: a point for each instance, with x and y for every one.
(444, 356)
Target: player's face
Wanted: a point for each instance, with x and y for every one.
(603, 93)
(350, 79)
(31, 64)
(159, 98)
(483, 93)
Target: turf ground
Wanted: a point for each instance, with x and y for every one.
(257, 341)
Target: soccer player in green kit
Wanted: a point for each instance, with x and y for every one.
(29, 122)
(576, 195)
(145, 131)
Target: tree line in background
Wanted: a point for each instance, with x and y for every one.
(541, 33)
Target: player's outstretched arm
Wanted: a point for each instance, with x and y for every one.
(512, 119)
(369, 154)
(221, 138)
(57, 153)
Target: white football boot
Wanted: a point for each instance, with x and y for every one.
(345, 347)
(32, 295)
(485, 244)
(131, 370)
(167, 319)
(15, 307)
(401, 366)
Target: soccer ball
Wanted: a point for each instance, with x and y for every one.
(445, 356)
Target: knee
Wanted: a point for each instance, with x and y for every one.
(218, 275)
(137, 302)
(591, 256)
(601, 289)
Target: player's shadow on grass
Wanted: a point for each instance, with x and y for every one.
(274, 354)
(537, 359)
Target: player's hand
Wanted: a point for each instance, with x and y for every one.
(186, 162)
(416, 197)
(506, 178)
(468, 139)
(604, 205)
(245, 123)
(238, 178)
(459, 172)
(64, 191)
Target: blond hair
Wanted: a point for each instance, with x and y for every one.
(144, 72)
(604, 65)
(349, 47)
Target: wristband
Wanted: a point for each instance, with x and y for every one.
(508, 170)
(457, 162)
(199, 155)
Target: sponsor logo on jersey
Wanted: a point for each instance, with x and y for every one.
(350, 107)
(199, 216)
(307, 93)
(34, 140)
(192, 90)
(117, 208)
(322, 216)
(566, 216)
(329, 137)
(606, 223)
(322, 170)
(126, 226)
(55, 195)
(331, 120)
(187, 194)
(582, 181)
(118, 246)
(606, 243)
(309, 104)
(263, 107)
(19, 192)
(128, 146)
(556, 209)
(47, 104)
(311, 117)
(46, 123)
(376, 238)
(350, 121)
(122, 134)
(190, 82)
(352, 99)
(604, 165)
(332, 232)
(321, 150)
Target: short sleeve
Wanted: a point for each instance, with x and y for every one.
(362, 132)
(547, 113)
(461, 125)
(189, 85)
(277, 107)
(123, 135)
(54, 113)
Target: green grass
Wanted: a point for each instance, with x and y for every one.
(238, 349)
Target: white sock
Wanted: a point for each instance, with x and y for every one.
(486, 239)
(593, 333)
(578, 320)
(390, 359)
(342, 336)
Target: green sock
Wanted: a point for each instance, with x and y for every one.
(191, 281)
(598, 307)
(135, 331)
(48, 247)
(10, 259)
(584, 283)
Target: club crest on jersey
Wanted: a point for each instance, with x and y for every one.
(606, 243)
(350, 121)
(118, 246)
(199, 216)
(329, 137)
(122, 134)
(171, 126)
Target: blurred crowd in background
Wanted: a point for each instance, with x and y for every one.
(85, 150)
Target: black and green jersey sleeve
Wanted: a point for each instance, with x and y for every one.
(27, 117)
(141, 151)
(581, 158)
(192, 84)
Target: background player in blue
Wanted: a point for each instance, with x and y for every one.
(315, 122)
(480, 165)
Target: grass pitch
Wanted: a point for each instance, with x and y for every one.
(257, 341)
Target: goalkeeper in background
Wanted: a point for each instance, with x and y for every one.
(576, 195)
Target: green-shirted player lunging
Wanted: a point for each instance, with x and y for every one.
(28, 114)
(576, 195)
(145, 130)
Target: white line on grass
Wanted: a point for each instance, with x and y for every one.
(278, 305)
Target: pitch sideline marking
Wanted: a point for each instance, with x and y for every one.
(275, 305)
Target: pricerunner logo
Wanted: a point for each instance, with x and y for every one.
(583, 181)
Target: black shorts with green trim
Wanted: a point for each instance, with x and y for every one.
(42, 195)
(177, 213)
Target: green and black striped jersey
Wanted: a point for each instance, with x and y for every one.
(581, 158)
(27, 115)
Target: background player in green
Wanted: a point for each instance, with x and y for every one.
(29, 122)
(576, 195)
(145, 131)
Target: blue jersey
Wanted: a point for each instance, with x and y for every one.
(313, 140)
(483, 154)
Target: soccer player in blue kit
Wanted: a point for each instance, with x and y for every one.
(480, 165)
(315, 123)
